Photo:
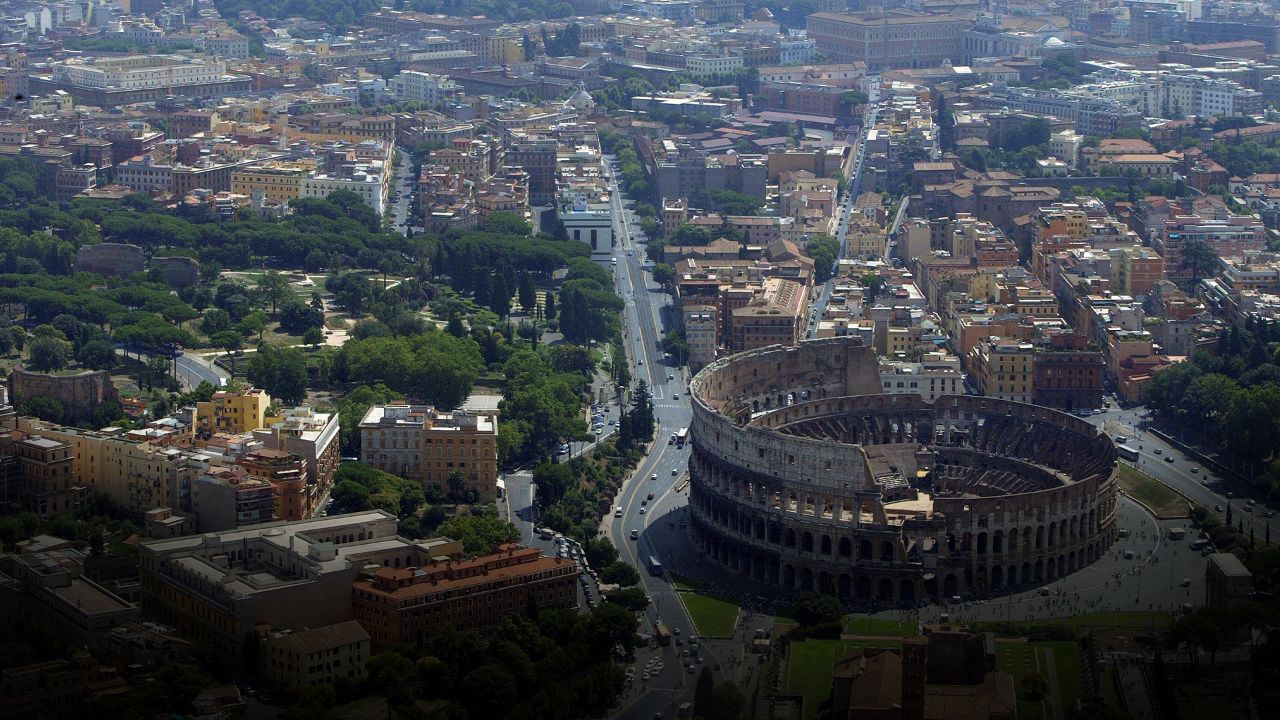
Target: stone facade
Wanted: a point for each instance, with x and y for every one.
(79, 394)
(803, 475)
(178, 271)
(110, 259)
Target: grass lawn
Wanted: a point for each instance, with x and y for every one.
(1018, 659)
(1140, 486)
(681, 582)
(712, 616)
(809, 667)
(865, 625)
(1066, 658)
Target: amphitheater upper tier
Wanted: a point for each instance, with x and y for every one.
(805, 475)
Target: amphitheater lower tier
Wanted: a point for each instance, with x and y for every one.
(804, 476)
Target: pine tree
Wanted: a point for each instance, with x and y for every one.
(528, 298)
(500, 297)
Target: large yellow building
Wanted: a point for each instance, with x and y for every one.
(232, 412)
(1004, 369)
(279, 182)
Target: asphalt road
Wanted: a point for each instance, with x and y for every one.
(193, 370)
(1186, 475)
(661, 473)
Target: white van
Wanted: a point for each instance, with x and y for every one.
(617, 512)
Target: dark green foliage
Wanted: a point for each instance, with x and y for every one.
(435, 367)
(281, 371)
(357, 486)
(480, 530)
(824, 250)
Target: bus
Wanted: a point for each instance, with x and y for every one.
(661, 634)
(1127, 452)
(655, 567)
(682, 436)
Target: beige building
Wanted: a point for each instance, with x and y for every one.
(889, 39)
(133, 470)
(424, 444)
(297, 660)
(277, 181)
(772, 317)
(1003, 369)
(232, 412)
(311, 435)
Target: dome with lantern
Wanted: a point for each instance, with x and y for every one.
(581, 100)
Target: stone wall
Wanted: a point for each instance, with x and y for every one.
(110, 259)
(79, 394)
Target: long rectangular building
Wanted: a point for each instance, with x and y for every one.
(891, 39)
(397, 605)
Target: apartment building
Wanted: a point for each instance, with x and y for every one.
(1227, 236)
(1135, 270)
(296, 497)
(311, 435)
(700, 326)
(424, 444)
(218, 588)
(889, 39)
(1068, 373)
(773, 316)
(429, 88)
(296, 660)
(45, 481)
(936, 374)
(277, 181)
(397, 605)
(1003, 369)
(232, 412)
(115, 81)
(368, 182)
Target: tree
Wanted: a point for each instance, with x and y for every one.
(394, 676)
(215, 321)
(274, 288)
(631, 598)
(704, 694)
(47, 354)
(480, 531)
(297, 317)
(620, 573)
(500, 297)
(728, 702)
(1033, 686)
(600, 552)
(1199, 259)
(552, 481)
(97, 354)
(551, 306)
(528, 296)
(313, 337)
(43, 407)
(816, 608)
(281, 371)
(231, 341)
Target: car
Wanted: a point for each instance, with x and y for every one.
(692, 669)
(679, 642)
(676, 396)
(675, 471)
(1157, 451)
(1249, 501)
(1248, 508)
(643, 503)
(599, 431)
(653, 476)
(642, 510)
(1168, 458)
(1217, 508)
(650, 496)
(639, 362)
(676, 632)
(699, 660)
(1194, 470)
(1268, 514)
(635, 534)
(670, 376)
(671, 440)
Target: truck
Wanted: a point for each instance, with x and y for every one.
(662, 634)
(1177, 533)
(682, 436)
(655, 567)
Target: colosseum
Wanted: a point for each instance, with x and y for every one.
(804, 475)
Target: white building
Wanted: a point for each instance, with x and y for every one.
(1065, 146)
(138, 72)
(371, 186)
(704, 66)
(937, 374)
(797, 49)
(434, 90)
